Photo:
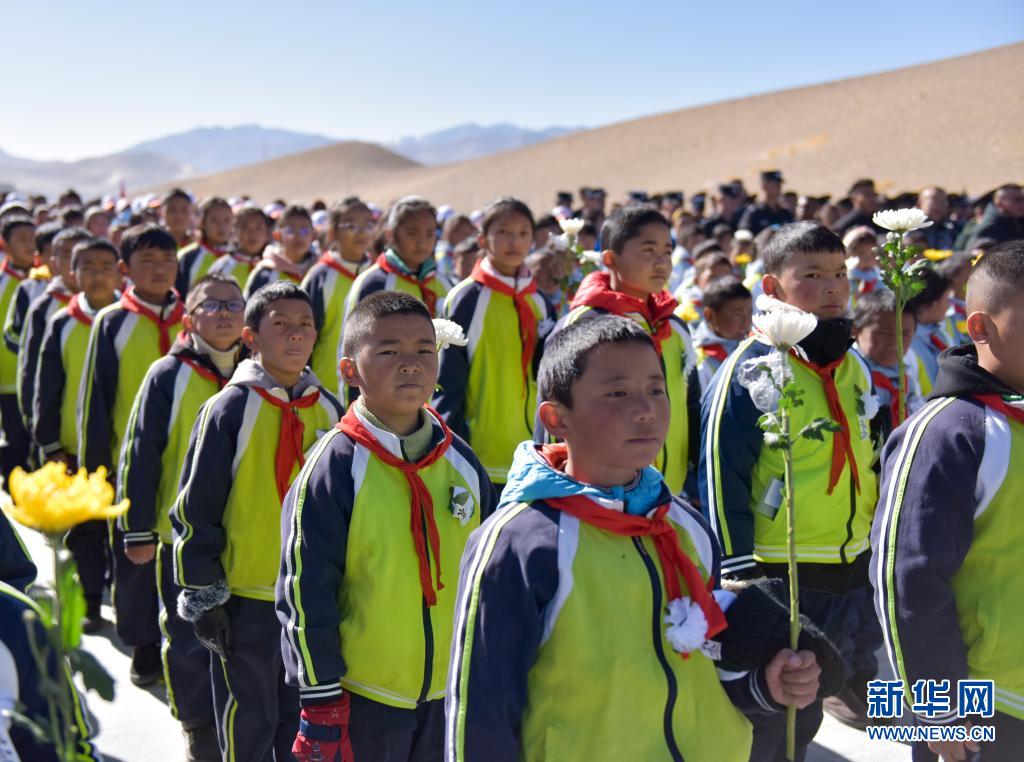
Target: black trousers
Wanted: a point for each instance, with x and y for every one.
(135, 598)
(186, 662)
(15, 452)
(1006, 748)
(89, 544)
(386, 734)
(257, 714)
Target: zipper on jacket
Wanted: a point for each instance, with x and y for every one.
(428, 634)
(659, 649)
(849, 521)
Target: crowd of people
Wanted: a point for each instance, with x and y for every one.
(413, 483)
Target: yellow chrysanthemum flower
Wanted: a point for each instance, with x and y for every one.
(687, 313)
(51, 500)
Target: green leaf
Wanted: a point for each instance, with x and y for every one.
(18, 717)
(95, 677)
(860, 400)
(72, 605)
(816, 429)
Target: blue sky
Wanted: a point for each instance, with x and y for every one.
(97, 77)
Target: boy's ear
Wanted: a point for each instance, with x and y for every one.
(708, 314)
(187, 323)
(481, 240)
(979, 327)
(122, 267)
(350, 372)
(250, 339)
(770, 286)
(551, 415)
(608, 258)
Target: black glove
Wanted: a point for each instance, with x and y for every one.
(759, 628)
(213, 629)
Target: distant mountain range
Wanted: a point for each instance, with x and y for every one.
(209, 150)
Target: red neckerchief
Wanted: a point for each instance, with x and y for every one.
(199, 368)
(62, 296)
(76, 311)
(131, 303)
(289, 441)
(527, 317)
(422, 504)
(960, 310)
(882, 382)
(657, 309)
(842, 446)
(429, 297)
(676, 566)
(716, 351)
(328, 259)
(867, 286)
(217, 252)
(997, 403)
(938, 343)
(8, 269)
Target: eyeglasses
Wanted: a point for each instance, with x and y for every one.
(289, 230)
(211, 306)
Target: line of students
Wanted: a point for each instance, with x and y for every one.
(345, 601)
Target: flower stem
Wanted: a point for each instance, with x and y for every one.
(901, 392)
(67, 747)
(794, 601)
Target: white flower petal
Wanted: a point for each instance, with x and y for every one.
(449, 334)
(572, 226)
(767, 303)
(687, 626)
(901, 220)
(783, 329)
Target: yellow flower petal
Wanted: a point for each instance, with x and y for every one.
(51, 500)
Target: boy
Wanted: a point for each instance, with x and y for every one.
(367, 611)
(18, 234)
(252, 234)
(861, 262)
(57, 294)
(408, 263)
(487, 390)
(727, 313)
(176, 216)
(589, 539)
(246, 448)
(874, 330)
(30, 288)
(706, 271)
(349, 228)
(741, 480)
(638, 258)
(195, 260)
(547, 266)
(127, 337)
(290, 257)
(946, 570)
(957, 269)
(929, 308)
(197, 367)
(55, 397)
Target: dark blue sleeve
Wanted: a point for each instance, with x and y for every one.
(197, 515)
(922, 531)
(28, 355)
(14, 322)
(16, 566)
(508, 576)
(185, 263)
(730, 447)
(145, 440)
(96, 394)
(313, 285)
(453, 372)
(258, 278)
(48, 390)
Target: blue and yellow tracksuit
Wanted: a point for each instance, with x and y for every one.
(123, 344)
(947, 570)
(152, 456)
(741, 484)
(328, 283)
(928, 342)
(349, 592)
(676, 460)
(226, 523)
(711, 350)
(15, 450)
(483, 393)
(425, 285)
(530, 680)
(265, 273)
(194, 261)
(54, 297)
(237, 265)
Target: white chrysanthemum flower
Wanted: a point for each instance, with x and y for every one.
(593, 257)
(449, 334)
(572, 226)
(784, 328)
(764, 387)
(767, 303)
(871, 405)
(901, 220)
(687, 626)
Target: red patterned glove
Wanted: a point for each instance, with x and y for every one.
(323, 733)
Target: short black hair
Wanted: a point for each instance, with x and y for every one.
(547, 221)
(259, 303)
(16, 221)
(799, 238)
(565, 355)
(174, 193)
(362, 321)
(623, 225)
(724, 290)
(45, 234)
(214, 277)
(935, 285)
(148, 236)
(71, 234)
(295, 210)
(406, 207)
(502, 206)
(92, 244)
(871, 305)
(997, 278)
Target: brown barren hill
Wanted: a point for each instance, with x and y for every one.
(954, 122)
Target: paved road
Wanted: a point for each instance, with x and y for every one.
(137, 726)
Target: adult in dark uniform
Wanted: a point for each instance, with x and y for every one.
(769, 212)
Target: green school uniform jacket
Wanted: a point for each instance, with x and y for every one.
(10, 278)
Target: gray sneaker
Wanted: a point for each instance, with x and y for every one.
(201, 744)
